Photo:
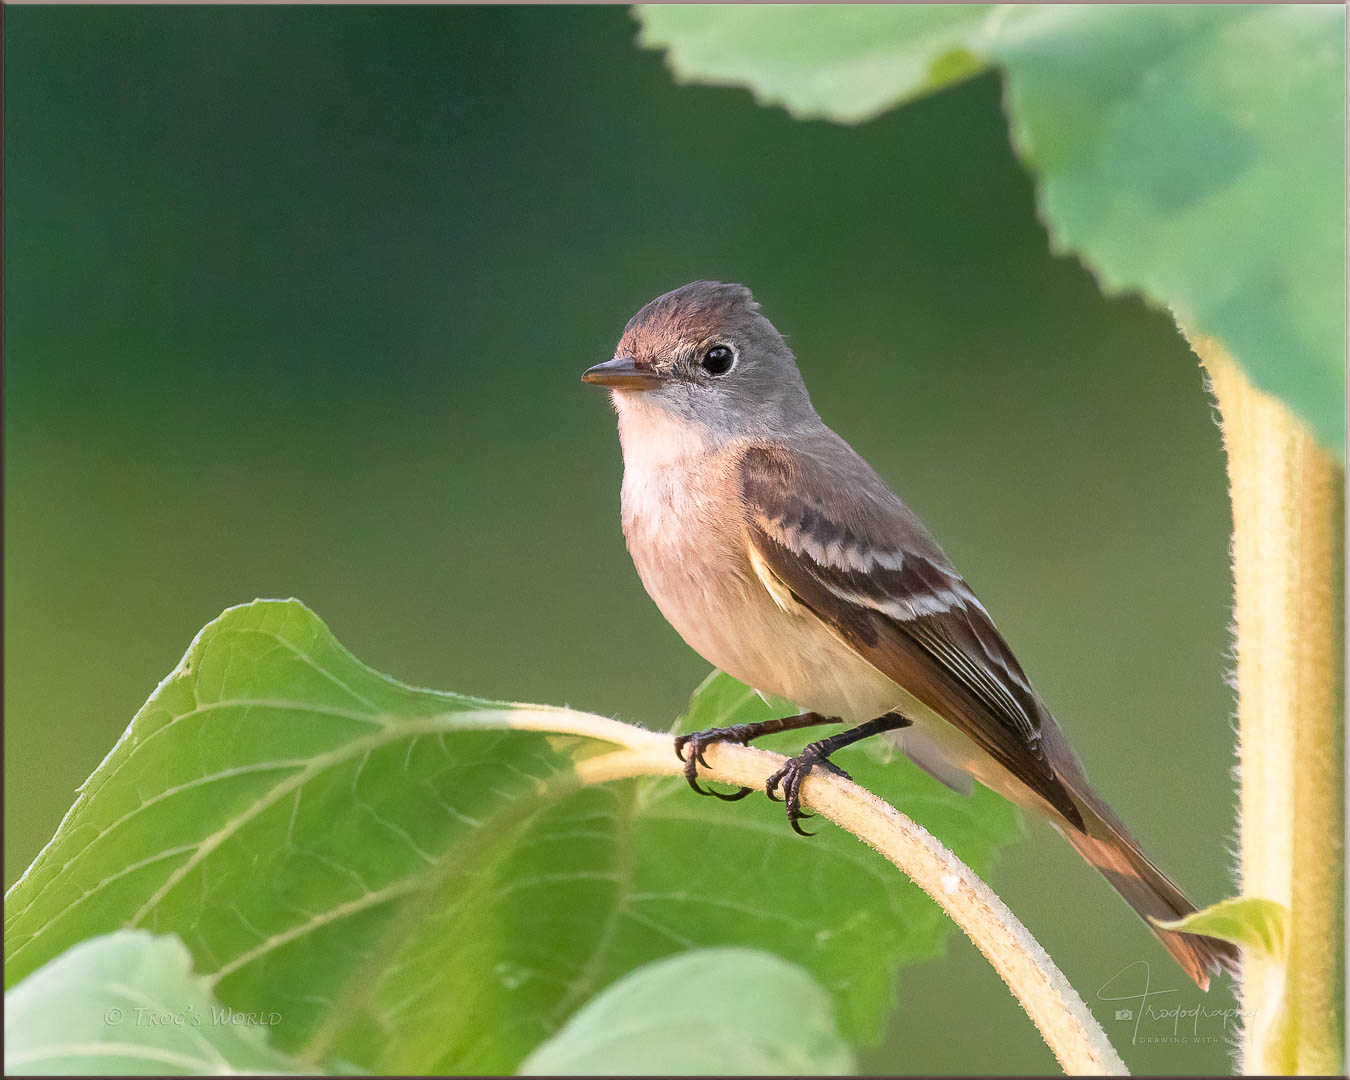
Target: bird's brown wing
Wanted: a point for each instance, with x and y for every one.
(860, 561)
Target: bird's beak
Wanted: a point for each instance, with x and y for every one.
(623, 373)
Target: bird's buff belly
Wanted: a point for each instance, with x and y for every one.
(723, 611)
(708, 590)
(725, 615)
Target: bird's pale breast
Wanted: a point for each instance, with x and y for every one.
(685, 532)
(684, 520)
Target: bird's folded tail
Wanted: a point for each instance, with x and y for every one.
(1108, 846)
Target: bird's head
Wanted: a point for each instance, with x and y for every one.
(703, 355)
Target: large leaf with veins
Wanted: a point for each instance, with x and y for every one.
(127, 1004)
(1193, 153)
(703, 1012)
(416, 883)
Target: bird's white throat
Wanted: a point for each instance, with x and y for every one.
(653, 437)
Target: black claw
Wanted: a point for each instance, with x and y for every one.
(794, 771)
(697, 742)
(790, 777)
(691, 773)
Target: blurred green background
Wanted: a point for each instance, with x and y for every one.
(297, 302)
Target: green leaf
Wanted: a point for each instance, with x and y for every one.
(127, 1004)
(719, 700)
(706, 1012)
(416, 884)
(847, 63)
(1258, 925)
(1196, 154)
(1192, 153)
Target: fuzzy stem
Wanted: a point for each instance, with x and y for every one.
(1288, 559)
(1068, 1027)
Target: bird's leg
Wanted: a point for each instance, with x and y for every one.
(796, 769)
(698, 741)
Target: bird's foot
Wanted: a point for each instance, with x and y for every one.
(698, 741)
(793, 772)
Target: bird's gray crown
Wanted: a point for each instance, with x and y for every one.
(691, 315)
(760, 393)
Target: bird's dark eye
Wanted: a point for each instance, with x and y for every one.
(718, 360)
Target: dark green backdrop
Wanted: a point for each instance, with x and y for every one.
(297, 300)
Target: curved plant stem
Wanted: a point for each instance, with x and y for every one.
(1069, 1029)
(1288, 565)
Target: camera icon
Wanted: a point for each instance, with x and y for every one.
(1124, 1014)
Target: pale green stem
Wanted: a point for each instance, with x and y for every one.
(1288, 559)
(1064, 1021)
